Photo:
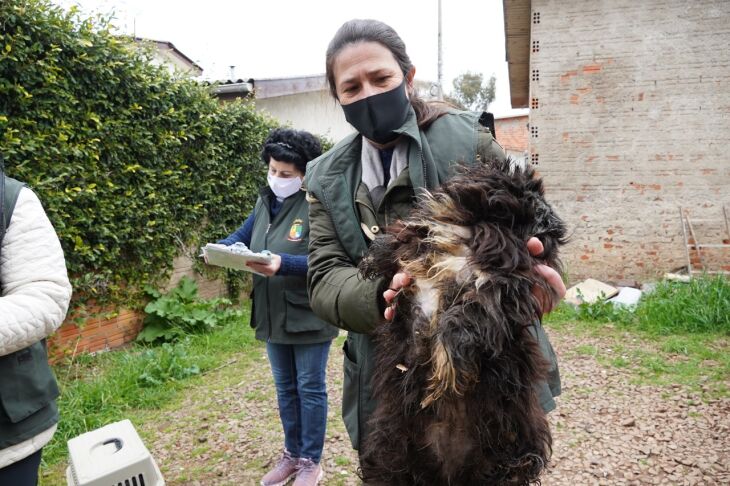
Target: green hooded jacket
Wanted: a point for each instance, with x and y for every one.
(343, 221)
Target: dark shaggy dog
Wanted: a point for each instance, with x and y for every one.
(455, 370)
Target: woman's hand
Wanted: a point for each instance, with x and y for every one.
(553, 278)
(400, 280)
(268, 269)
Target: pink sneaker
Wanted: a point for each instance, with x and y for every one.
(284, 470)
(309, 474)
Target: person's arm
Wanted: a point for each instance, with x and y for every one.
(293, 265)
(282, 264)
(35, 288)
(242, 234)
(337, 293)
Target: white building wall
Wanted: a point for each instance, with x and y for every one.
(316, 112)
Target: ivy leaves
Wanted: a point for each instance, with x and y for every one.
(130, 162)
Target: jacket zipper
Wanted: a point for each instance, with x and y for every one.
(425, 181)
(423, 165)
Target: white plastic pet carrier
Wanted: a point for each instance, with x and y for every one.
(112, 455)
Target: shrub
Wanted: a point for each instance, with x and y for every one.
(181, 311)
(131, 163)
(171, 364)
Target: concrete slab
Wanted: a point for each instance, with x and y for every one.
(589, 291)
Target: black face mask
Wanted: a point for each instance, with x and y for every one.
(376, 116)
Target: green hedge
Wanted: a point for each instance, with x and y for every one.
(130, 162)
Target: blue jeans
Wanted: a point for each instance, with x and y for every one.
(301, 390)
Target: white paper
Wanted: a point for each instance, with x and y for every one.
(235, 256)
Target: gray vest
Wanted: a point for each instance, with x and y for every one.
(28, 389)
(281, 313)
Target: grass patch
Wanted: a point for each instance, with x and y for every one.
(587, 350)
(97, 390)
(700, 306)
(342, 461)
(700, 362)
(678, 334)
(620, 362)
(257, 396)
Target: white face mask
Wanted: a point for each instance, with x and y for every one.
(284, 187)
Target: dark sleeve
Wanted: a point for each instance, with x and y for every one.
(293, 265)
(242, 234)
(337, 292)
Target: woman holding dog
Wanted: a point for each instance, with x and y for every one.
(369, 180)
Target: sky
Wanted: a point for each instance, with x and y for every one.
(279, 38)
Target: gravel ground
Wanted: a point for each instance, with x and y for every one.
(606, 430)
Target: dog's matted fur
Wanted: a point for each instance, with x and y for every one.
(456, 369)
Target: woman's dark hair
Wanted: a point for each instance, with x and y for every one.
(293, 146)
(368, 30)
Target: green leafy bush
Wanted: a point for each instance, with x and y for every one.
(181, 312)
(131, 163)
(171, 364)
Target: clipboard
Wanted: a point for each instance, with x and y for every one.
(235, 256)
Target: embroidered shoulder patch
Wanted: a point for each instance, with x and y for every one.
(296, 230)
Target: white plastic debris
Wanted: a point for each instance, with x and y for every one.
(627, 297)
(648, 288)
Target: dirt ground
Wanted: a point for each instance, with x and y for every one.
(606, 430)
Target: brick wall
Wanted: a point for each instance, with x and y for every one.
(512, 135)
(111, 328)
(630, 119)
(97, 333)
(183, 265)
